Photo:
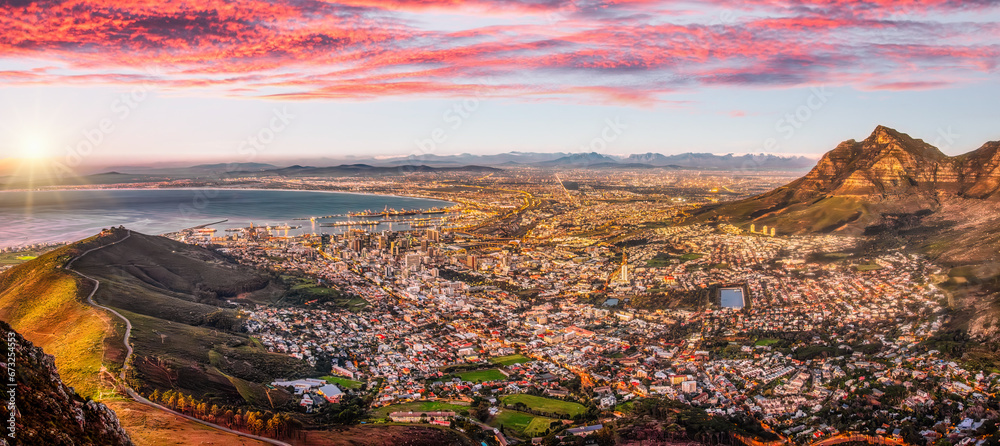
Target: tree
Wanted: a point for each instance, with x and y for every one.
(604, 437)
(482, 412)
(550, 440)
(274, 425)
(251, 419)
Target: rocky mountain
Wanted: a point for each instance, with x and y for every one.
(887, 163)
(48, 412)
(858, 183)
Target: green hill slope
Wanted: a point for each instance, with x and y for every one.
(42, 301)
(185, 335)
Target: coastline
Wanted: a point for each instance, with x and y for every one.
(431, 203)
(94, 189)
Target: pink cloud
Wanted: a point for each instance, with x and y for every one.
(619, 51)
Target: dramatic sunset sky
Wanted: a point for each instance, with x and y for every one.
(191, 81)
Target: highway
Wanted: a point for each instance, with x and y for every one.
(128, 346)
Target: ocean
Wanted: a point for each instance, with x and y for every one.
(35, 217)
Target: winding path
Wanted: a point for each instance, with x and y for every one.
(125, 366)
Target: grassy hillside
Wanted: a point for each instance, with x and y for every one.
(827, 214)
(185, 335)
(42, 301)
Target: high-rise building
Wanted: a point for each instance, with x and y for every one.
(412, 261)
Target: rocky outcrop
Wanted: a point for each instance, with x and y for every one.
(887, 163)
(980, 171)
(47, 411)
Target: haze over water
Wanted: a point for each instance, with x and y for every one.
(59, 216)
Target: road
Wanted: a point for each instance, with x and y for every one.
(90, 300)
(858, 438)
(128, 347)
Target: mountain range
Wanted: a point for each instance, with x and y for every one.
(590, 159)
(540, 159)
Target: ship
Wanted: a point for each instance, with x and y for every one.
(389, 212)
(352, 223)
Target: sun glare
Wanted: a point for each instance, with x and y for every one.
(34, 147)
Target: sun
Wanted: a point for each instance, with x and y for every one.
(34, 147)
